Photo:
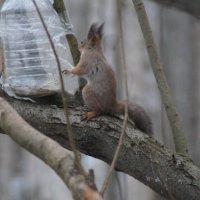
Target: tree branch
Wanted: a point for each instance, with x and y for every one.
(58, 158)
(60, 8)
(156, 65)
(190, 6)
(141, 157)
(124, 70)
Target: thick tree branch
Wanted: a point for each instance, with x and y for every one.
(141, 157)
(190, 6)
(58, 158)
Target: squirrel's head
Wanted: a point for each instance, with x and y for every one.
(93, 38)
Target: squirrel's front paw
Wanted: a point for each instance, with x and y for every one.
(89, 115)
(66, 71)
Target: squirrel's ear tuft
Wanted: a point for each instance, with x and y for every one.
(100, 30)
(92, 31)
(95, 34)
(95, 31)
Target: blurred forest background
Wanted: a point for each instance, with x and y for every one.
(177, 35)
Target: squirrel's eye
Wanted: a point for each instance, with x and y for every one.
(81, 42)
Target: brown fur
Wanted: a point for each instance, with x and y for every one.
(99, 94)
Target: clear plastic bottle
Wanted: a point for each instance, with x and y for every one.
(30, 66)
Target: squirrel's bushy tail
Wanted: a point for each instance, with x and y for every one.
(136, 114)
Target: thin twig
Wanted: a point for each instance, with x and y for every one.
(162, 53)
(60, 8)
(69, 128)
(123, 65)
(176, 126)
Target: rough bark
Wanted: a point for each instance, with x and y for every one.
(190, 6)
(142, 157)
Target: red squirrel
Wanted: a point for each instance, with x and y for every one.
(99, 94)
